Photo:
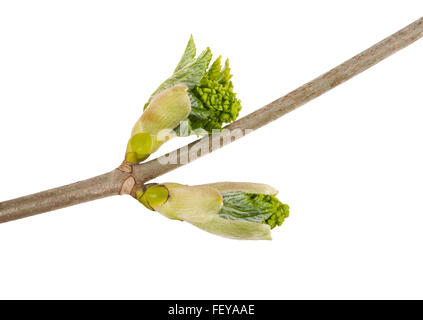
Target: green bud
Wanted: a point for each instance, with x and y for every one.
(153, 196)
(139, 147)
(236, 210)
(210, 89)
(163, 114)
(193, 204)
(195, 92)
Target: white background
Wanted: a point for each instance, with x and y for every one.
(74, 76)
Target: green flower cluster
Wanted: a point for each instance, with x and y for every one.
(280, 211)
(215, 95)
(254, 207)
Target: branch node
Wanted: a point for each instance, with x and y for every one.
(127, 185)
(125, 167)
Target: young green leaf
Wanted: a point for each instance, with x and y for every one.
(190, 75)
(188, 56)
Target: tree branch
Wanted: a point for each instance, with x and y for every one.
(98, 187)
(122, 180)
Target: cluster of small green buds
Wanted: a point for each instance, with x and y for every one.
(195, 93)
(236, 210)
(215, 94)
